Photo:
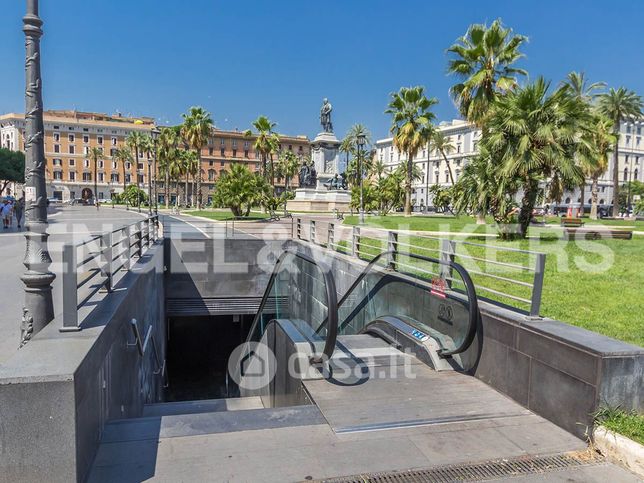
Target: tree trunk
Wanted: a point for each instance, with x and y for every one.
(408, 186)
(193, 201)
(582, 197)
(616, 173)
(199, 181)
(530, 191)
(449, 168)
(185, 194)
(167, 189)
(593, 196)
(480, 218)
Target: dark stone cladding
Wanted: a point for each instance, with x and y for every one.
(561, 372)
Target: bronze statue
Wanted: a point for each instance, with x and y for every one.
(325, 116)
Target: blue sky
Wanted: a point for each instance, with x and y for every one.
(240, 59)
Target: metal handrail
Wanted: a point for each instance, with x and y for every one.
(467, 281)
(331, 296)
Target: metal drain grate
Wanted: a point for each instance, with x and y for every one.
(489, 470)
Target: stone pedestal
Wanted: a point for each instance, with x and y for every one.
(325, 153)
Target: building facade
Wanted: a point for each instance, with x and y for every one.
(465, 137)
(70, 135)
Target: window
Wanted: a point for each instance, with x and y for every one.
(628, 140)
(637, 141)
(72, 176)
(72, 162)
(113, 164)
(140, 178)
(635, 174)
(57, 162)
(85, 138)
(234, 143)
(221, 164)
(625, 174)
(128, 165)
(86, 163)
(85, 129)
(211, 151)
(99, 139)
(56, 137)
(211, 162)
(56, 127)
(71, 149)
(85, 150)
(58, 175)
(113, 141)
(128, 179)
(639, 130)
(112, 151)
(222, 142)
(100, 164)
(458, 148)
(140, 166)
(211, 175)
(246, 153)
(87, 176)
(101, 177)
(234, 153)
(290, 147)
(115, 177)
(447, 176)
(57, 148)
(71, 138)
(246, 144)
(628, 128)
(222, 152)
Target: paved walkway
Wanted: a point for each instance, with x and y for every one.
(66, 223)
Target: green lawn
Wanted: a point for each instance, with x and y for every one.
(225, 215)
(597, 285)
(628, 424)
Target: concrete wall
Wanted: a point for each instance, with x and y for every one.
(58, 391)
(561, 372)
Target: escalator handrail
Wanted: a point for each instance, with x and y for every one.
(331, 299)
(469, 285)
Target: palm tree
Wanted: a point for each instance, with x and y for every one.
(378, 169)
(196, 129)
(95, 154)
(411, 128)
(147, 148)
(533, 135)
(443, 146)
(123, 156)
(482, 59)
(287, 167)
(580, 88)
(167, 153)
(134, 141)
(189, 167)
(266, 143)
(618, 105)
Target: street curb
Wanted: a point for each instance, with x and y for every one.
(620, 450)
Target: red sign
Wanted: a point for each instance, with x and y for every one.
(439, 285)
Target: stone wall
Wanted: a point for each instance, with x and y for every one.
(57, 392)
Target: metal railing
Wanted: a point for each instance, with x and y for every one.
(92, 264)
(142, 345)
(507, 276)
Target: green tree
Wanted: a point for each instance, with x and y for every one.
(240, 190)
(95, 154)
(196, 128)
(168, 153)
(378, 169)
(411, 128)
(287, 167)
(266, 144)
(483, 60)
(122, 156)
(189, 167)
(134, 195)
(443, 146)
(134, 141)
(618, 105)
(534, 135)
(442, 198)
(12, 167)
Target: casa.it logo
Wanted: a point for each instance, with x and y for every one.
(252, 366)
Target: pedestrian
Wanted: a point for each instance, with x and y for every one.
(19, 209)
(6, 214)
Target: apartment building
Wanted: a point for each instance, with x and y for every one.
(69, 136)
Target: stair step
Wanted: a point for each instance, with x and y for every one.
(203, 406)
(179, 425)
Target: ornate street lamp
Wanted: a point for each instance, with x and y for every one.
(38, 310)
(361, 140)
(155, 138)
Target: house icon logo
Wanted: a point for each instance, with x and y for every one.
(252, 366)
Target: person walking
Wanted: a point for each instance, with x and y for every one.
(6, 214)
(19, 209)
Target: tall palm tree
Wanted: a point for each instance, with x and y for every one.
(189, 167)
(287, 167)
(618, 105)
(483, 61)
(123, 156)
(196, 128)
(134, 141)
(378, 169)
(95, 154)
(534, 135)
(147, 148)
(266, 143)
(167, 154)
(411, 127)
(443, 146)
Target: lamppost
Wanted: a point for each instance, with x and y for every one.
(38, 310)
(361, 140)
(155, 138)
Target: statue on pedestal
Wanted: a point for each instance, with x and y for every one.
(325, 116)
(307, 176)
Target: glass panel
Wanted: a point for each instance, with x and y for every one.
(429, 296)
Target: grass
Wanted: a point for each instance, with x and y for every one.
(629, 424)
(596, 285)
(226, 215)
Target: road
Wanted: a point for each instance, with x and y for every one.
(65, 224)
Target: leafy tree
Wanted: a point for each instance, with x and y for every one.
(411, 128)
(287, 167)
(483, 60)
(189, 166)
(266, 144)
(168, 154)
(240, 190)
(134, 195)
(618, 105)
(196, 128)
(442, 198)
(134, 141)
(122, 156)
(533, 135)
(12, 167)
(378, 169)
(390, 192)
(443, 146)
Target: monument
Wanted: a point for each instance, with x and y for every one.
(322, 183)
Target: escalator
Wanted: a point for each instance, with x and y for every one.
(418, 306)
